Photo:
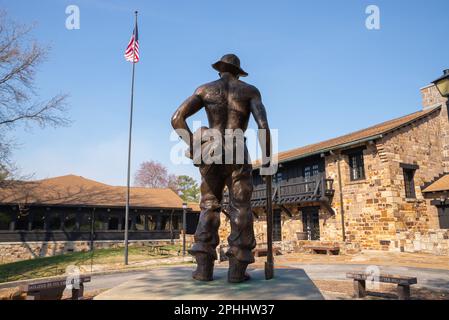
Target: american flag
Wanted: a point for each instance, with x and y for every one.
(132, 50)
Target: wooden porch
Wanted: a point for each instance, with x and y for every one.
(299, 190)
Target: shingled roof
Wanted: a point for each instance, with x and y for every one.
(441, 184)
(353, 138)
(71, 190)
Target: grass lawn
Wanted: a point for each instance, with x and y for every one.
(56, 265)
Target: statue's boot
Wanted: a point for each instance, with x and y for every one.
(205, 268)
(237, 271)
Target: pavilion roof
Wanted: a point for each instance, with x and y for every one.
(72, 190)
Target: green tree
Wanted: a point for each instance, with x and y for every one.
(188, 188)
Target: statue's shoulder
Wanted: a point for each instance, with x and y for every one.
(204, 88)
(249, 88)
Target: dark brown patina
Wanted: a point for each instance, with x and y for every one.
(229, 104)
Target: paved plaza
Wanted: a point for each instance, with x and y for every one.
(175, 283)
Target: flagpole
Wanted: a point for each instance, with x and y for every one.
(129, 153)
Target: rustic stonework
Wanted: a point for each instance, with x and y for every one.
(376, 208)
(15, 251)
(431, 97)
(367, 212)
(376, 211)
(434, 241)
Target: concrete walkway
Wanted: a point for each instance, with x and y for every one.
(176, 284)
(427, 278)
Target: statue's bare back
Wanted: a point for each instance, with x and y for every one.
(228, 103)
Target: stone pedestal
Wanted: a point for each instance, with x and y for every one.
(175, 283)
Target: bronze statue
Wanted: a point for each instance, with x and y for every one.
(229, 103)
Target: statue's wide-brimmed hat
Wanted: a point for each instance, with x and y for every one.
(229, 63)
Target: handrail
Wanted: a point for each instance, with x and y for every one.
(293, 190)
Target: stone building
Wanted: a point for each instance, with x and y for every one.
(370, 189)
(72, 213)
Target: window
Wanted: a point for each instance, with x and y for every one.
(86, 222)
(21, 222)
(409, 175)
(113, 223)
(38, 221)
(70, 222)
(307, 173)
(5, 220)
(101, 221)
(278, 177)
(315, 170)
(356, 166)
(443, 217)
(140, 222)
(54, 221)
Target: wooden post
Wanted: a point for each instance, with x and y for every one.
(145, 222)
(30, 221)
(269, 264)
(403, 292)
(78, 221)
(340, 191)
(359, 288)
(78, 293)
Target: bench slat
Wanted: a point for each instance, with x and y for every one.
(386, 278)
(322, 248)
(50, 284)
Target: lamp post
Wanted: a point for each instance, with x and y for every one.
(442, 84)
(184, 211)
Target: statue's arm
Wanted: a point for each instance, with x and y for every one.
(188, 108)
(260, 115)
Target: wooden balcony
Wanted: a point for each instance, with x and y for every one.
(294, 191)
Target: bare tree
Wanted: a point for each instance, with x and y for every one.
(20, 58)
(152, 174)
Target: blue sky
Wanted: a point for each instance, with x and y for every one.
(321, 72)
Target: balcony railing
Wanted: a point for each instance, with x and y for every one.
(294, 191)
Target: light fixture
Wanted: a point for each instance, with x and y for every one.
(442, 83)
(184, 205)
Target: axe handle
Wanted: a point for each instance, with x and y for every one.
(269, 265)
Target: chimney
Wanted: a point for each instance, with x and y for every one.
(431, 97)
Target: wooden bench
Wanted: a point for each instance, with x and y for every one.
(403, 283)
(54, 288)
(159, 249)
(263, 251)
(323, 249)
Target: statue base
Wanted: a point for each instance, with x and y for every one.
(176, 283)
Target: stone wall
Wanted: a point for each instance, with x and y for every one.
(376, 208)
(376, 211)
(421, 145)
(367, 212)
(289, 227)
(434, 241)
(431, 97)
(15, 251)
